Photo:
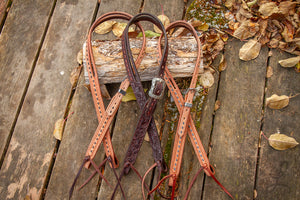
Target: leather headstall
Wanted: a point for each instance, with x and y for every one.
(186, 124)
(105, 116)
(147, 106)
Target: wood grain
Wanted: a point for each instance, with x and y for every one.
(29, 156)
(110, 64)
(279, 171)
(237, 125)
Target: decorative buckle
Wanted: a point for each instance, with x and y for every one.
(151, 94)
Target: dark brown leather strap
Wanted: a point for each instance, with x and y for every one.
(147, 105)
(145, 122)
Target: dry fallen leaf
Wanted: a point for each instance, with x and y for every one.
(207, 79)
(268, 9)
(105, 27)
(58, 129)
(118, 28)
(75, 75)
(246, 30)
(80, 57)
(217, 105)
(269, 71)
(282, 142)
(277, 102)
(223, 63)
(129, 96)
(250, 50)
(165, 21)
(290, 62)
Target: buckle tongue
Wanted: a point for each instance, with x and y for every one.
(154, 81)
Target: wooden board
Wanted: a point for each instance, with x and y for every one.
(17, 63)
(77, 135)
(31, 149)
(237, 125)
(190, 164)
(172, 9)
(279, 171)
(110, 64)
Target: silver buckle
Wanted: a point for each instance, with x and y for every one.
(151, 94)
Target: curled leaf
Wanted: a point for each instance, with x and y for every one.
(165, 21)
(80, 57)
(58, 129)
(269, 71)
(118, 28)
(105, 27)
(282, 142)
(290, 62)
(75, 75)
(207, 79)
(277, 102)
(250, 50)
(268, 9)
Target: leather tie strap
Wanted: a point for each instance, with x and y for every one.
(147, 106)
(105, 116)
(186, 125)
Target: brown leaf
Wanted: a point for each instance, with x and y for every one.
(286, 6)
(250, 50)
(274, 43)
(165, 21)
(223, 63)
(105, 27)
(207, 79)
(268, 9)
(290, 62)
(75, 75)
(277, 102)
(58, 129)
(203, 27)
(287, 34)
(282, 142)
(269, 71)
(80, 57)
(118, 28)
(246, 30)
(217, 105)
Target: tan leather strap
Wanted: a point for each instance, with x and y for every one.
(105, 116)
(185, 124)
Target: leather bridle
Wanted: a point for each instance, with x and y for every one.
(186, 124)
(105, 116)
(147, 106)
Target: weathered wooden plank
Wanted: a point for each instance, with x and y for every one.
(237, 125)
(77, 135)
(279, 171)
(190, 164)
(172, 9)
(31, 149)
(16, 63)
(124, 128)
(110, 64)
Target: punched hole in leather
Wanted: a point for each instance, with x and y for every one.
(105, 116)
(185, 123)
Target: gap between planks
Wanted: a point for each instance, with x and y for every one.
(27, 82)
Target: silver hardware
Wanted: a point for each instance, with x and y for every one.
(154, 81)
